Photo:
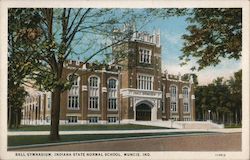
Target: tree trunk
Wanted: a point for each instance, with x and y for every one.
(16, 119)
(10, 117)
(217, 117)
(19, 117)
(236, 118)
(230, 118)
(223, 118)
(203, 116)
(55, 115)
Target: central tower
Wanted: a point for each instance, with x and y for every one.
(140, 79)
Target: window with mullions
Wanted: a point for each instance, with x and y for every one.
(112, 94)
(173, 98)
(93, 93)
(185, 99)
(173, 106)
(186, 107)
(144, 82)
(72, 119)
(93, 119)
(73, 93)
(112, 119)
(145, 56)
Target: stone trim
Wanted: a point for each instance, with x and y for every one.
(74, 114)
(192, 96)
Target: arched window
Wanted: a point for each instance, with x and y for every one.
(73, 93)
(185, 99)
(173, 98)
(93, 92)
(112, 94)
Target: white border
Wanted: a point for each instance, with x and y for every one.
(4, 4)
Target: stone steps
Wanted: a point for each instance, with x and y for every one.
(181, 124)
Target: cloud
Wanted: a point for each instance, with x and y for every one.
(225, 69)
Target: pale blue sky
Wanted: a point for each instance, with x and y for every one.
(171, 31)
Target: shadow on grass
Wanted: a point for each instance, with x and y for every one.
(86, 127)
(44, 139)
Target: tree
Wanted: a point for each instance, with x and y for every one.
(187, 76)
(73, 32)
(222, 97)
(235, 88)
(20, 59)
(214, 33)
(72, 22)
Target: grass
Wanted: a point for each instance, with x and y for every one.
(43, 139)
(233, 126)
(86, 127)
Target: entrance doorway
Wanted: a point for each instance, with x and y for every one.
(143, 112)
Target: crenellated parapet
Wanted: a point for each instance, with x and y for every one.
(147, 37)
(72, 64)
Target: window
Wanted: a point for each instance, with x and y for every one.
(185, 99)
(73, 94)
(49, 102)
(145, 56)
(187, 119)
(112, 119)
(185, 92)
(93, 119)
(112, 94)
(145, 82)
(173, 98)
(93, 93)
(163, 99)
(175, 118)
(186, 107)
(72, 119)
(47, 119)
(173, 107)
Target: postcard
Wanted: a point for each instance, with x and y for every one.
(124, 79)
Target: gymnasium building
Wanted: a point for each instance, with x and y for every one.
(134, 90)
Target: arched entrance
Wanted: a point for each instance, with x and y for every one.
(143, 112)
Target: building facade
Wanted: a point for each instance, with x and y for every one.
(135, 89)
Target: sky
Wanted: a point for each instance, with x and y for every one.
(171, 30)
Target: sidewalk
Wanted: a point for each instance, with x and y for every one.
(22, 133)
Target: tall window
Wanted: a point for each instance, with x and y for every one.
(73, 94)
(144, 82)
(185, 99)
(112, 94)
(93, 93)
(173, 98)
(163, 99)
(145, 56)
(49, 102)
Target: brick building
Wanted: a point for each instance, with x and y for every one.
(134, 90)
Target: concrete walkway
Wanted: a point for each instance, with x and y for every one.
(22, 133)
(181, 124)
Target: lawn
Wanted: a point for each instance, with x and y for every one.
(86, 127)
(42, 139)
(233, 126)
